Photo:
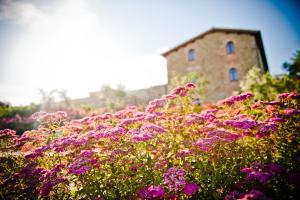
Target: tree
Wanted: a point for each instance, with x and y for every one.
(294, 67)
(265, 86)
(113, 99)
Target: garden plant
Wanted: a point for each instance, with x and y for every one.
(237, 148)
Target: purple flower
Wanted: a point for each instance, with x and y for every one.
(45, 189)
(190, 189)
(193, 118)
(7, 133)
(183, 153)
(232, 99)
(38, 152)
(151, 192)
(206, 144)
(156, 191)
(174, 179)
(282, 95)
(291, 111)
(274, 168)
(233, 195)
(154, 128)
(156, 103)
(262, 173)
(179, 91)
(142, 137)
(86, 153)
(79, 171)
(242, 124)
(254, 195)
(189, 86)
(288, 96)
(99, 198)
(272, 103)
(276, 120)
(266, 129)
(223, 135)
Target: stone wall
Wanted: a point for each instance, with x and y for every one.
(143, 96)
(133, 97)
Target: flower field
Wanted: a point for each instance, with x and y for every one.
(174, 149)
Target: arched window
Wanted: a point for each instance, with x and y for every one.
(233, 74)
(230, 47)
(192, 55)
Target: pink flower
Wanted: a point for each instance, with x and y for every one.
(174, 178)
(154, 128)
(156, 103)
(80, 170)
(254, 195)
(179, 91)
(232, 99)
(189, 86)
(151, 192)
(7, 133)
(183, 153)
(142, 137)
(242, 124)
(288, 96)
(291, 111)
(190, 189)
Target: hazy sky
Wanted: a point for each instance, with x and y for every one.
(78, 45)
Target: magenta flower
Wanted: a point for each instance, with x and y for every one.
(174, 179)
(79, 171)
(151, 192)
(291, 111)
(233, 195)
(254, 195)
(190, 189)
(142, 136)
(156, 191)
(183, 153)
(292, 95)
(189, 86)
(7, 133)
(156, 103)
(242, 124)
(154, 128)
(232, 99)
(179, 91)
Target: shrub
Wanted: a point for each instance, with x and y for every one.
(237, 148)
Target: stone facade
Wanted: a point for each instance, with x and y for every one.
(212, 61)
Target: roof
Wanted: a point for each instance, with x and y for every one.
(256, 33)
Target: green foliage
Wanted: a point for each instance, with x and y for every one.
(113, 99)
(12, 111)
(181, 79)
(16, 117)
(293, 68)
(265, 86)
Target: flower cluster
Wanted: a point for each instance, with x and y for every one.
(174, 179)
(46, 117)
(172, 149)
(151, 192)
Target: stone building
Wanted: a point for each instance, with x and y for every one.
(221, 56)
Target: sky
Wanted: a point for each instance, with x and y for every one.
(79, 45)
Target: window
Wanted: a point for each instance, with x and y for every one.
(233, 74)
(191, 55)
(230, 47)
